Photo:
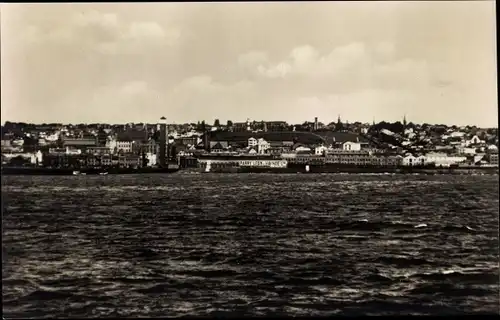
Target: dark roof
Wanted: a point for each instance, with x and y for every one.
(133, 135)
(331, 136)
(303, 137)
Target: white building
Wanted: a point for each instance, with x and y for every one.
(37, 157)
(469, 151)
(151, 157)
(457, 134)
(302, 149)
(478, 157)
(492, 147)
(53, 137)
(474, 141)
(125, 146)
(275, 163)
(262, 146)
(320, 150)
(351, 146)
(442, 159)
(18, 142)
(252, 142)
(73, 151)
(111, 143)
(420, 160)
(409, 160)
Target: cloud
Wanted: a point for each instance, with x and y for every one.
(352, 67)
(306, 60)
(104, 33)
(280, 70)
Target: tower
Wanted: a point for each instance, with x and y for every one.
(315, 123)
(404, 121)
(162, 157)
(339, 126)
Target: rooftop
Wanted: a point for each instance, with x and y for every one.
(303, 137)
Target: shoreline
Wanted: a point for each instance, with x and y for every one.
(235, 170)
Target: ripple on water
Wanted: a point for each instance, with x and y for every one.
(188, 245)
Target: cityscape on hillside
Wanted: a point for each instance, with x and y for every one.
(136, 145)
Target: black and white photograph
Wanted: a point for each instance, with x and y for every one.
(249, 159)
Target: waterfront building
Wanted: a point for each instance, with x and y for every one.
(262, 146)
(493, 159)
(443, 159)
(320, 150)
(6, 143)
(163, 141)
(259, 161)
(349, 157)
(79, 142)
(124, 145)
(149, 146)
(351, 146)
(409, 160)
(129, 161)
(466, 151)
(98, 150)
(219, 146)
(252, 142)
(474, 141)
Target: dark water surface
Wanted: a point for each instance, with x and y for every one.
(210, 244)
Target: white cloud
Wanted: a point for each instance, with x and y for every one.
(280, 70)
(307, 60)
(304, 57)
(351, 67)
(104, 33)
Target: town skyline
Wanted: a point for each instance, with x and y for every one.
(105, 63)
(223, 122)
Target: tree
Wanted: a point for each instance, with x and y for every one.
(397, 127)
(216, 123)
(203, 126)
(229, 123)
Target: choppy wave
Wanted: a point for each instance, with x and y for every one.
(229, 245)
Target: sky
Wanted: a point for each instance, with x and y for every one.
(434, 62)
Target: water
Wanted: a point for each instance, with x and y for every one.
(211, 244)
